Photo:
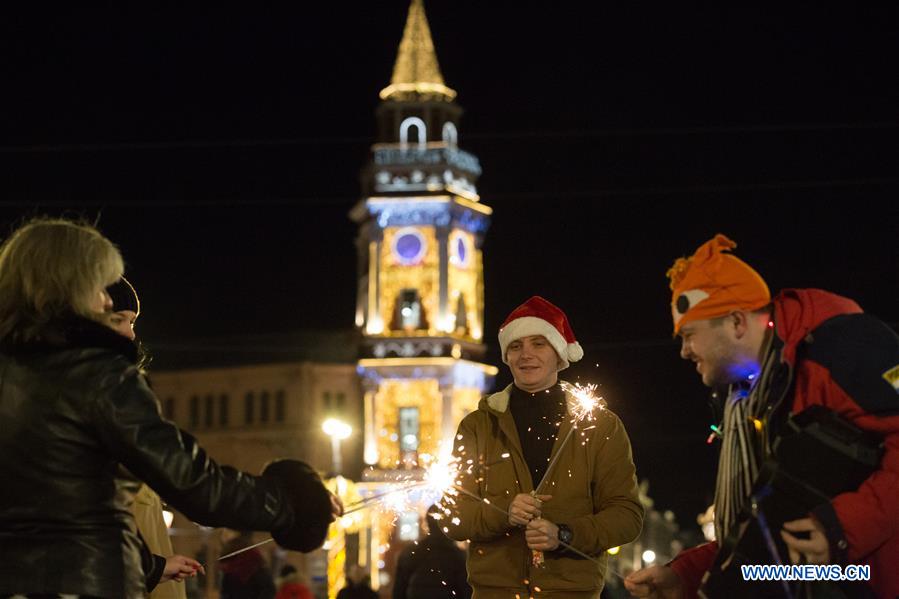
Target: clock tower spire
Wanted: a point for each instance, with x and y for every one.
(420, 302)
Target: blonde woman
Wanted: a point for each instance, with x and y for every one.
(74, 407)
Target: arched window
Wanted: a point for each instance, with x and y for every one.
(450, 135)
(461, 314)
(409, 313)
(417, 126)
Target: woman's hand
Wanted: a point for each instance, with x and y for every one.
(180, 568)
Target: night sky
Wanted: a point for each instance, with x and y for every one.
(221, 151)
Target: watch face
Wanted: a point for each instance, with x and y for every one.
(565, 535)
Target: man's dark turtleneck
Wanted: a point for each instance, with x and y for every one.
(537, 417)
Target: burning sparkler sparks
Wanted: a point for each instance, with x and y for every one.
(403, 496)
(586, 403)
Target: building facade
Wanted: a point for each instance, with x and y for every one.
(246, 415)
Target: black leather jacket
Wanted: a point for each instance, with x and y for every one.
(73, 408)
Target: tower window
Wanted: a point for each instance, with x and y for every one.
(409, 429)
(450, 134)
(461, 314)
(458, 250)
(413, 130)
(408, 310)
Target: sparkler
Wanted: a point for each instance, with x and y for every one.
(438, 479)
(582, 410)
(241, 550)
(373, 499)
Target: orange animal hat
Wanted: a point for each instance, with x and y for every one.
(712, 283)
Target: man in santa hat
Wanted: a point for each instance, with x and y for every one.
(549, 508)
(804, 348)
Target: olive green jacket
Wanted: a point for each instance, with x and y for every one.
(593, 487)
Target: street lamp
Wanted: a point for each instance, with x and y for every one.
(338, 431)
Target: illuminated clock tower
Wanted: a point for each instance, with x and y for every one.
(420, 302)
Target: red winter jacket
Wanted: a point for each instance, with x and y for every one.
(846, 367)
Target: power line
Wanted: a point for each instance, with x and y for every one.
(474, 135)
(673, 131)
(555, 195)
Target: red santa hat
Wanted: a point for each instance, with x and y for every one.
(537, 316)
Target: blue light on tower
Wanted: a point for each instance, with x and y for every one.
(409, 246)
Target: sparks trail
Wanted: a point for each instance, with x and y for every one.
(374, 499)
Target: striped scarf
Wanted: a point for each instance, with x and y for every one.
(743, 446)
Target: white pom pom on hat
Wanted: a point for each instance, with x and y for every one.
(538, 316)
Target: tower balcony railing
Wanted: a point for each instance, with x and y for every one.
(431, 153)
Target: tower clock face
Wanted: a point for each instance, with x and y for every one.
(409, 246)
(458, 246)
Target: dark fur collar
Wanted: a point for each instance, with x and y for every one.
(74, 332)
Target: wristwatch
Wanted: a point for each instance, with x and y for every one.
(565, 534)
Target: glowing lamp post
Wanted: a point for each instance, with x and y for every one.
(338, 431)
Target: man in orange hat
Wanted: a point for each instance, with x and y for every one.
(542, 490)
(804, 348)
